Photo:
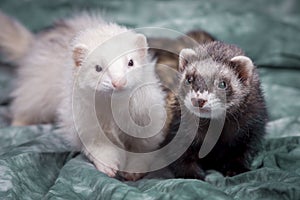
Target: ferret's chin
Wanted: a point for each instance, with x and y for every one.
(202, 113)
(104, 89)
(208, 114)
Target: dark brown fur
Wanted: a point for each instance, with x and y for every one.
(243, 130)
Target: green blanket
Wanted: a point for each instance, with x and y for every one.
(36, 164)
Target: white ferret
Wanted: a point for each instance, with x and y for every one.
(95, 79)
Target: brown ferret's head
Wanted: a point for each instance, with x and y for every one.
(215, 78)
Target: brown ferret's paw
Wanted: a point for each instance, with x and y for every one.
(236, 170)
(126, 176)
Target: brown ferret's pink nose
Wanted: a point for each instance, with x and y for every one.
(118, 84)
(198, 102)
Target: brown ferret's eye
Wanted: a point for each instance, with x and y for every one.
(222, 85)
(98, 68)
(130, 63)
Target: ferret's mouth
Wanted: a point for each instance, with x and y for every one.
(204, 110)
(201, 112)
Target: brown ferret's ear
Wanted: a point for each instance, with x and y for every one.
(184, 56)
(79, 54)
(141, 44)
(244, 67)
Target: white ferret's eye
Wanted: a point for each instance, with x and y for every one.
(189, 80)
(98, 68)
(130, 63)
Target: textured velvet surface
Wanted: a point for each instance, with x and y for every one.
(36, 164)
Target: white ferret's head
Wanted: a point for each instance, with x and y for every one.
(106, 57)
(215, 79)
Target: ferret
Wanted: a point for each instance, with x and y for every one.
(77, 73)
(218, 87)
(114, 92)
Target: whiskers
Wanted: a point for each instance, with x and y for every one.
(105, 87)
(235, 118)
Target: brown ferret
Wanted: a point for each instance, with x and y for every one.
(218, 87)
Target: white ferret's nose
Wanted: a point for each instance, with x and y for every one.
(119, 83)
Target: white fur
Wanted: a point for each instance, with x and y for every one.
(38, 89)
(46, 80)
(213, 108)
(93, 122)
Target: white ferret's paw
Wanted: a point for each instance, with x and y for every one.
(19, 123)
(107, 160)
(110, 171)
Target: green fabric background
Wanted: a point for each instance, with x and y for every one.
(36, 164)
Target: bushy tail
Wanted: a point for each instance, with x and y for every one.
(15, 39)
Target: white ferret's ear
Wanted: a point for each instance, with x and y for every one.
(80, 52)
(141, 44)
(244, 66)
(184, 56)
